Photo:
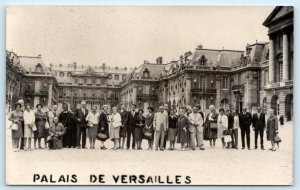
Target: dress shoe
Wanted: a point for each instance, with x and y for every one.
(249, 148)
(243, 147)
(255, 147)
(201, 148)
(262, 148)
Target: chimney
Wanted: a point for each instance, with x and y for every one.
(159, 60)
(200, 46)
(103, 66)
(75, 65)
(146, 62)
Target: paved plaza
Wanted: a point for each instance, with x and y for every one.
(212, 166)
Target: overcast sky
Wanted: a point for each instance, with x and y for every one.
(120, 36)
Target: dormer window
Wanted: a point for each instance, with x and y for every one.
(38, 68)
(202, 60)
(146, 73)
(61, 74)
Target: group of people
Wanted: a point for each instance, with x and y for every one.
(127, 128)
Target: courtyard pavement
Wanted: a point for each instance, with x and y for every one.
(213, 166)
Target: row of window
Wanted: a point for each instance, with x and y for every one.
(110, 76)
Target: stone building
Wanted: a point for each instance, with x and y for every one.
(277, 72)
(141, 85)
(97, 85)
(260, 75)
(14, 79)
(29, 78)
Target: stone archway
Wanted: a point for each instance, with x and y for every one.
(274, 104)
(289, 107)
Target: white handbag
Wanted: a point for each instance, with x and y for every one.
(14, 127)
(47, 126)
(117, 124)
(227, 138)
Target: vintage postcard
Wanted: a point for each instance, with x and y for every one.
(149, 95)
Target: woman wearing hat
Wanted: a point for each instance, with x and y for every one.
(211, 123)
(149, 126)
(182, 127)
(139, 127)
(16, 117)
(40, 122)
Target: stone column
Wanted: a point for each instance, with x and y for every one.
(134, 94)
(218, 95)
(50, 94)
(188, 91)
(262, 79)
(271, 61)
(285, 58)
(164, 93)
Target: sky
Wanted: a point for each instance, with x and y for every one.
(126, 36)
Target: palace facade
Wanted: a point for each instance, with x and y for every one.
(261, 75)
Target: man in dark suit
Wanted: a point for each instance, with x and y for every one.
(259, 125)
(80, 115)
(123, 130)
(131, 126)
(245, 123)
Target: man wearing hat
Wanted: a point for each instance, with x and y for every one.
(160, 127)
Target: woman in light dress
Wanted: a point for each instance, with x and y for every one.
(93, 122)
(29, 126)
(115, 124)
(222, 125)
(16, 117)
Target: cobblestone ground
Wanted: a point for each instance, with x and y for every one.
(213, 166)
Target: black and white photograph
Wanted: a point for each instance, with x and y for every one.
(149, 95)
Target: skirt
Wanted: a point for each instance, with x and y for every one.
(114, 132)
(41, 131)
(220, 132)
(123, 132)
(172, 134)
(138, 132)
(93, 131)
(213, 133)
(28, 133)
(182, 136)
(15, 134)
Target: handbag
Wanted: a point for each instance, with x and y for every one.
(227, 138)
(277, 139)
(34, 127)
(47, 126)
(213, 125)
(148, 134)
(117, 124)
(14, 127)
(102, 136)
(49, 138)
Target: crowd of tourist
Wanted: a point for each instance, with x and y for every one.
(127, 128)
